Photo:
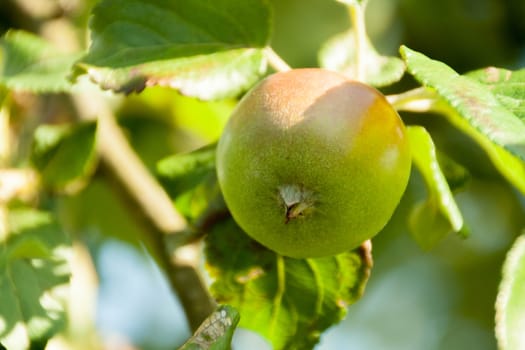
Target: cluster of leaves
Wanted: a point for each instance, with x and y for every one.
(213, 50)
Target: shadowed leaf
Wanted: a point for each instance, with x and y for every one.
(182, 172)
(288, 301)
(64, 154)
(438, 215)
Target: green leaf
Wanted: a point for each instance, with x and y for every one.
(206, 49)
(205, 119)
(182, 172)
(34, 273)
(288, 301)
(472, 100)
(63, 154)
(31, 64)
(438, 215)
(510, 166)
(510, 304)
(339, 54)
(455, 174)
(216, 332)
(191, 181)
(508, 87)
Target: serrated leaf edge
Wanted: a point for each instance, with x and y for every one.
(406, 53)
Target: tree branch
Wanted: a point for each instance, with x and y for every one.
(161, 218)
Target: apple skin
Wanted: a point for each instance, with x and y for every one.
(312, 164)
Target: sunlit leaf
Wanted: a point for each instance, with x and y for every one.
(438, 215)
(288, 301)
(216, 332)
(508, 87)
(206, 49)
(472, 100)
(31, 64)
(64, 154)
(339, 54)
(510, 305)
(34, 272)
(206, 119)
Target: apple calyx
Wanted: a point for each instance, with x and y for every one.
(298, 202)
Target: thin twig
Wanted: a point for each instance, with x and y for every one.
(115, 149)
(275, 61)
(145, 193)
(181, 269)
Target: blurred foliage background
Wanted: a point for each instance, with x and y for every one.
(440, 299)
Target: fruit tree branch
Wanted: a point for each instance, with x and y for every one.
(145, 193)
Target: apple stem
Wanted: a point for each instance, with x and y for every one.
(298, 201)
(275, 61)
(417, 100)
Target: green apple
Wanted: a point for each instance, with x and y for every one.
(312, 164)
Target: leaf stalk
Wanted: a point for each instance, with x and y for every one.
(275, 61)
(418, 100)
